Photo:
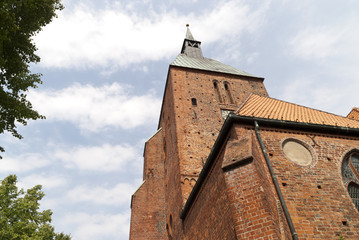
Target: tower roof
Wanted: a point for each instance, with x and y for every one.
(207, 64)
(189, 35)
(191, 47)
(191, 57)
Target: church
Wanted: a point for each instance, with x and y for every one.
(230, 162)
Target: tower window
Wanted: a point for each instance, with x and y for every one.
(216, 89)
(228, 93)
(194, 101)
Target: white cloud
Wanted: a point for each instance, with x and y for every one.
(95, 108)
(23, 163)
(46, 180)
(117, 36)
(104, 158)
(98, 226)
(332, 40)
(316, 42)
(115, 196)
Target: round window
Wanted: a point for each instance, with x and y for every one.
(297, 153)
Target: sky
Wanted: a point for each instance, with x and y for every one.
(104, 66)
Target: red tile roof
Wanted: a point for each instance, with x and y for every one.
(270, 108)
(354, 114)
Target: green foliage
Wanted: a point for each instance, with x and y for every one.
(20, 218)
(20, 20)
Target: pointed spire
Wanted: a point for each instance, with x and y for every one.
(188, 33)
(191, 47)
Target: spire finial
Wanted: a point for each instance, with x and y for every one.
(191, 47)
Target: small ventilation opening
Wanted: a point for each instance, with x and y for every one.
(194, 101)
(345, 223)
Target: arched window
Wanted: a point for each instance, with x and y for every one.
(353, 190)
(216, 89)
(228, 92)
(350, 174)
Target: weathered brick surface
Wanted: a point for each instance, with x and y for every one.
(249, 194)
(191, 129)
(236, 201)
(270, 195)
(198, 126)
(210, 216)
(316, 196)
(148, 204)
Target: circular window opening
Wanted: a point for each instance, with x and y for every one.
(297, 153)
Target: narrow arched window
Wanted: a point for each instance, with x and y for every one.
(216, 89)
(353, 190)
(228, 92)
(350, 174)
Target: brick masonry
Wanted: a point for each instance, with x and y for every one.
(148, 218)
(237, 199)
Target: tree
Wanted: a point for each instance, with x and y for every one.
(20, 217)
(20, 20)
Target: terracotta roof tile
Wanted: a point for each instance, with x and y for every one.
(354, 114)
(270, 108)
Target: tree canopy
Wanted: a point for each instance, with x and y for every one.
(20, 218)
(20, 20)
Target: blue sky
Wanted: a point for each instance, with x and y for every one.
(104, 66)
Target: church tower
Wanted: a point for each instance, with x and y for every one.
(200, 92)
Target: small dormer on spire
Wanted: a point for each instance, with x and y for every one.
(191, 47)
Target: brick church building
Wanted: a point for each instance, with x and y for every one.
(230, 162)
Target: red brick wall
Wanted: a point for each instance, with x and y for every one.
(173, 195)
(148, 204)
(190, 131)
(315, 195)
(197, 127)
(270, 195)
(250, 191)
(210, 216)
(242, 200)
